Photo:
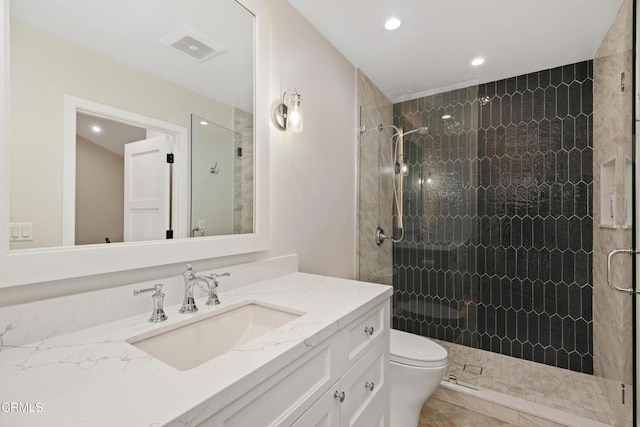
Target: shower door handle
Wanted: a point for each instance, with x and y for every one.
(609, 281)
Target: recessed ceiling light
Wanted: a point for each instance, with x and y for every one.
(96, 128)
(477, 61)
(446, 117)
(392, 23)
(203, 123)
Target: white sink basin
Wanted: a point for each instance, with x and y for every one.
(189, 346)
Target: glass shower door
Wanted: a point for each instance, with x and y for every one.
(614, 322)
(375, 194)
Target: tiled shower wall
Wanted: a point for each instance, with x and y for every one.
(498, 240)
(243, 172)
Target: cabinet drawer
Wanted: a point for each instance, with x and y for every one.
(366, 383)
(364, 333)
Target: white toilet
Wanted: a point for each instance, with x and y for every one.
(417, 366)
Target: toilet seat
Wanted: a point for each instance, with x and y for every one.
(414, 350)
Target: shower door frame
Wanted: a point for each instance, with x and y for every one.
(635, 81)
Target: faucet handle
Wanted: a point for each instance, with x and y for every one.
(214, 276)
(213, 288)
(157, 288)
(189, 272)
(158, 314)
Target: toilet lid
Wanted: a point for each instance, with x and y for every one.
(415, 350)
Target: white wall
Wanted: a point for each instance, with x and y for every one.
(98, 172)
(313, 174)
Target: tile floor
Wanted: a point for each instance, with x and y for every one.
(565, 390)
(438, 413)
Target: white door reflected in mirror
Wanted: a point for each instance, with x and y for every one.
(122, 188)
(147, 189)
(119, 185)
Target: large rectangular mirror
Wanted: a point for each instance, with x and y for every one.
(145, 65)
(106, 99)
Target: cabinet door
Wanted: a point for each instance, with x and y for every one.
(324, 413)
(376, 415)
(366, 385)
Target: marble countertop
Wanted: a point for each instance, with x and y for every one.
(94, 377)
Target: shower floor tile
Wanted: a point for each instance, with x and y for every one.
(438, 413)
(562, 389)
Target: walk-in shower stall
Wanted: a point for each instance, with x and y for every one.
(500, 215)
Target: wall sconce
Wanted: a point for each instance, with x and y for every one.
(289, 113)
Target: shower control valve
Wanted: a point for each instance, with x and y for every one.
(380, 236)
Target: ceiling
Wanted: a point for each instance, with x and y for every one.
(435, 45)
(112, 135)
(130, 32)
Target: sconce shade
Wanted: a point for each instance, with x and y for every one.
(295, 120)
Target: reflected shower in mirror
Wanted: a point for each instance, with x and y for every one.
(221, 177)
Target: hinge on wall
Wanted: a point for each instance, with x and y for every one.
(169, 234)
(170, 158)
(623, 394)
(623, 81)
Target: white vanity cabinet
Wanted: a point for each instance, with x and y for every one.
(337, 344)
(343, 381)
(365, 401)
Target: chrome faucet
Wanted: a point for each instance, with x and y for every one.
(190, 280)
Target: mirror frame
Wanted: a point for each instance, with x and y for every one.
(28, 266)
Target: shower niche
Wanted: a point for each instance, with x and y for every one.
(616, 187)
(608, 193)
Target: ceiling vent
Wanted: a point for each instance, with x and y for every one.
(192, 43)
